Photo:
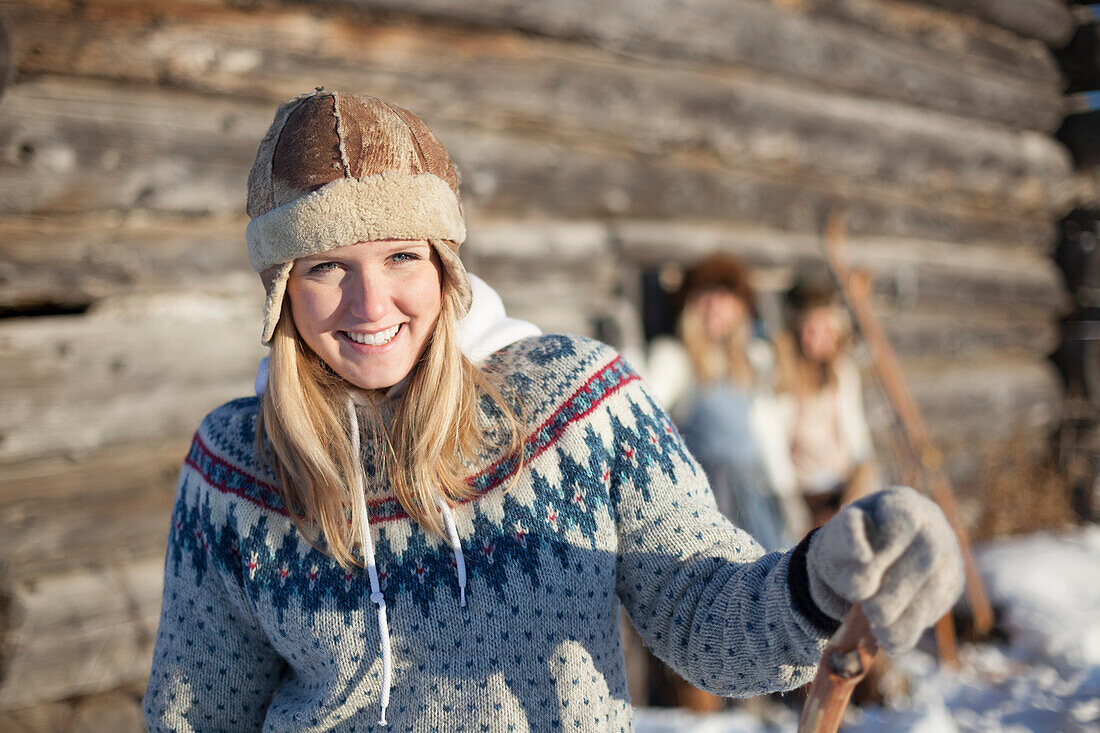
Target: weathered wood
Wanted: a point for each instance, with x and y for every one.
(90, 258)
(80, 146)
(957, 336)
(75, 261)
(981, 402)
(910, 274)
(82, 633)
(1046, 20)
(767, 36)
(7, 62)
(510, 176)
(950, 34)
(756, 124)
(124, 496)
(116, 711)
(844, 662)
(177, 159)
(78, 383)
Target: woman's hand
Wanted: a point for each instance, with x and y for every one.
(895, 553)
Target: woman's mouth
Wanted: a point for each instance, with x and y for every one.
(379, 338)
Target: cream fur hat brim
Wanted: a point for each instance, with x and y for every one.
(335, 170)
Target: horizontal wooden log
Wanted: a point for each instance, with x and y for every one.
(82, 633)
(520, 178)
(7, 62)
(1046, 20)
(755, 124)
(172, 146)
(71, 262)
(87, 146)
(909, 274)
(135, 368)
(983, 403)
(951, 32)
(116, 711)
(62, 514)
(949, 336)
(774, 38)
(91, 258)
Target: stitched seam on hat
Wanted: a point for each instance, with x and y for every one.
(340, 135)
(412, 134)
(271, 160)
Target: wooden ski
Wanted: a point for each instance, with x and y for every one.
(856, 290)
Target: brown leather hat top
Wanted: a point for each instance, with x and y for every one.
(324, 136)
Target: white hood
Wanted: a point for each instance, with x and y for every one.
(485, 329)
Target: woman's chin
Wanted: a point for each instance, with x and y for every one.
(379, 379)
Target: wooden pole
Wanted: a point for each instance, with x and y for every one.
(846, 660)
(856, 289)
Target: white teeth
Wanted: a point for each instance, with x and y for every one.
(374, 339)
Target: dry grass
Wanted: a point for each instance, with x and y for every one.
(1022, 490)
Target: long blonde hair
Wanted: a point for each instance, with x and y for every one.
(426, 451)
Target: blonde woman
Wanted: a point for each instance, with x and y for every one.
(406, 530)
(716, 380)
(831, 453)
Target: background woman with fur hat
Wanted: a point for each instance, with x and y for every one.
(431, 515)
(716, 380)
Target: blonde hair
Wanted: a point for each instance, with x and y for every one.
(726, 358)
(427, 450)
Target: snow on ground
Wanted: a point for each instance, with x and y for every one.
(1046, 677)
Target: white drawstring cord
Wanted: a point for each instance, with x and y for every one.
(456, 546)
(376, 596)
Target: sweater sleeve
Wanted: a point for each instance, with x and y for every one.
(701, 593)
(213, 667)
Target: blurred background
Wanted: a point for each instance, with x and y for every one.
(603, 146)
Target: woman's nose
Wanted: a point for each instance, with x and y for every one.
(371, 297)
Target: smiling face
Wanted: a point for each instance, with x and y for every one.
(821, 332)
(722, 312)
(368, 309)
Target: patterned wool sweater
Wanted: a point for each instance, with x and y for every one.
(261, 631)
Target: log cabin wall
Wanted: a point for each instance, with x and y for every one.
(596, 140)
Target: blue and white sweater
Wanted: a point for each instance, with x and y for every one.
(261, 631)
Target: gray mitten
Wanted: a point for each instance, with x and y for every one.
(895, 553)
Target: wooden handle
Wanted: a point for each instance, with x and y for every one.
(846, 660)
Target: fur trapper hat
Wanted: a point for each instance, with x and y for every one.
(336, 169)
(719, 271)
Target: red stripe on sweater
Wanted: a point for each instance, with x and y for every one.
(400, 513)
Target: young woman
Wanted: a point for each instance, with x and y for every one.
(395, 533)
(831, 454)
(716, 380)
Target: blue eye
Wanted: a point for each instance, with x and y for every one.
(323, 267)
(406, 257)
